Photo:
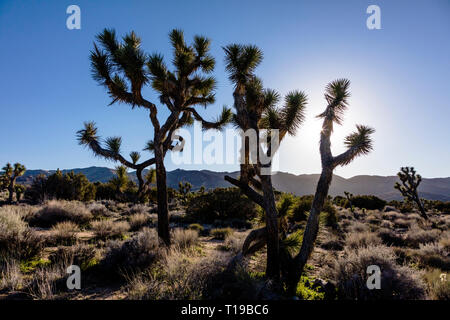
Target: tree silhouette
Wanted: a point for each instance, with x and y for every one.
(124, 69)
(358, 143)
(256, 109)
(9, 176)
(408, 187)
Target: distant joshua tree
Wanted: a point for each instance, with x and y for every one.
(358, 143)
(256, 109)
(408, 187)
(8, 178)
(124, 69)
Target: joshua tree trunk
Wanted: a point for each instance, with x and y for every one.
(161, 186)
(273, 264)
(311, 231)
(11, 189)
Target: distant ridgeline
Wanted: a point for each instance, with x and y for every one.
(383, 187)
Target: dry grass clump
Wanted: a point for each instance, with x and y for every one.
(48, 281)
(65, 232)
(397, 282)
(139, 220)
(363, 239)
(138, 208)
(81, 254)
(221, 233)
(438, 285)
(178, 275)
(17, 240)
(11, 278)
(234, 242)
(108, 229)
(58, 211)
(184, 239)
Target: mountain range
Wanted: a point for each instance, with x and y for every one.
(381, 186)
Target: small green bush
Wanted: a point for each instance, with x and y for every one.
(220, 204)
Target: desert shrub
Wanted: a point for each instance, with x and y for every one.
(108, 229)
(406, 206)
(397, 282)
(361, 240)
(392, 215)
(220, 204)
(197, 227)
(17, 240)
(234, 242)
(390, 237)
(416, 236)
(105, 191)
(433, 255)
(139, 220)
(64, 233)
(82, 255)
(221, 233)
(358, 227)
(184, 239)
(332, 243)
(341, 201)
(441, 206)
(99, 210)
(438, 286)
(133, 254)
(177, 275)
(368, 202)
(402, 223)
(59, 211)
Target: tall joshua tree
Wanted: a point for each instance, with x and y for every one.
(9, 177)
(124, 69)
(256, 109)
(358, 143)
(408, 188)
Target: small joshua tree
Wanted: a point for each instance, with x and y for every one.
(408, 188)
(184, 189)
(349, 197)
(256, 109)
(9, 177)
(125, 70)
(358, 143)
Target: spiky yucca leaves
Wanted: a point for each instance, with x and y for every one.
(8, 178)
(358, 143)
(408, 188)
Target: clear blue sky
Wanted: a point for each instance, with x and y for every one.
(400, 75)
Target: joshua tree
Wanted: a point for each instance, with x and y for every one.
(256, 108)
(124, 69)
(358, 143)
(349, 197)
(184, 189)
(19, 189)
(408, 187)
(9, 176)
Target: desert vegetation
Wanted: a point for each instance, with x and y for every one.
(117, 247)
(248, 241)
